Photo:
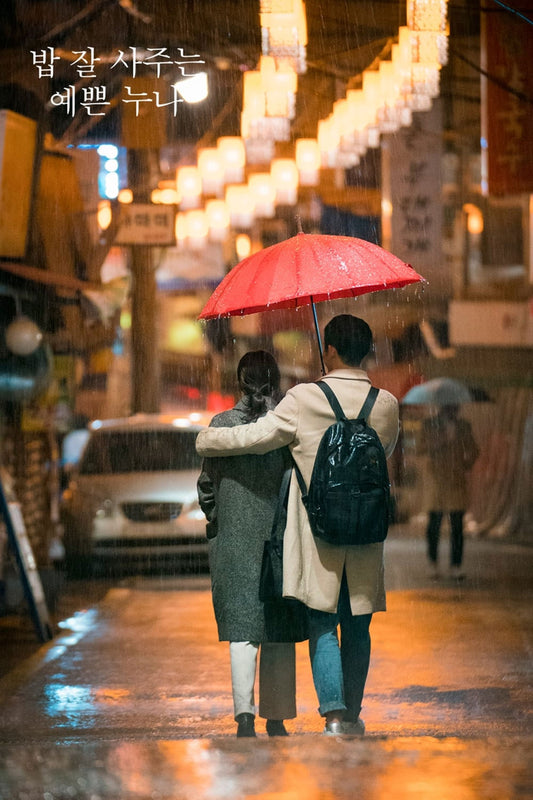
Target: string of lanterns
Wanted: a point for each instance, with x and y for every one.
(212, 195)
(408, 82)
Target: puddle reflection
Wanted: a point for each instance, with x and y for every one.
(305, 768)
(309, 768)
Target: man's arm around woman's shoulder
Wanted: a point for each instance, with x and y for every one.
(276, 429)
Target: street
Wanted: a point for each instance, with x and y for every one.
(132, 699)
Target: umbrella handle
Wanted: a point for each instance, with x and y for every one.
(317, 329)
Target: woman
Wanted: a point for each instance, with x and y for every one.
(238, 497)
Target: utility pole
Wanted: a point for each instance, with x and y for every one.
(143, 133)
(144, 340)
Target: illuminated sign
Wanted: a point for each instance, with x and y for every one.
(144, 223)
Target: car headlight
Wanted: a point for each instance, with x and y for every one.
(194, 511)
(105, 509)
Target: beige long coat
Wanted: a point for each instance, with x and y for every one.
(451, 451)
(312, 568)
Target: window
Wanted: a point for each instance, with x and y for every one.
(140, 451)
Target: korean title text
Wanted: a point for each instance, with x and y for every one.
(133, 62)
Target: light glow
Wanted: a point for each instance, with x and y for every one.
(104, 214)
(125, 196)
(193, 89)
(111, 187)
(233, 154)
(474, 219)
(285, 177)
(241, 206)
(189, 186)
(217, 215)
(243, 245)
(197, 228)
(307, 157)
(211, 169)
(107, 150)
(264, 193)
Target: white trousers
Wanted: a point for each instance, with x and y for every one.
(277, 679)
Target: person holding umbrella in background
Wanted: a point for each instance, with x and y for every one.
(451, 451)
(339, 584)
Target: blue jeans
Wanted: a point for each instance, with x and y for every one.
(339, 672)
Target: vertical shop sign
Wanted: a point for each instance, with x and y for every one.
(507, 100)
(413, 185)
(18, 138)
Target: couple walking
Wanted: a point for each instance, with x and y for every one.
(341, 586)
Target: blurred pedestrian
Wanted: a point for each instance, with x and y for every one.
(342, 585)
(451, 451)
(239, 496)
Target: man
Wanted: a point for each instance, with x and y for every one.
(340, 585)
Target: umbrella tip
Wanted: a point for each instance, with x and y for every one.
(299, 223)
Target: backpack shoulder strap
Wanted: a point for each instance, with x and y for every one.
(332, 399)
(369, 403)
(301, 481)
(336, 406)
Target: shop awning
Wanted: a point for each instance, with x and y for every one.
(48, 277)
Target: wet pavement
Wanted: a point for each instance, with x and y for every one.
(132, 698)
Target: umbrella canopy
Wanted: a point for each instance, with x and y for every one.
(439, 392)
(305, 269)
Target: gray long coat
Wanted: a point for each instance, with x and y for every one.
(238, 496)
(312, 569)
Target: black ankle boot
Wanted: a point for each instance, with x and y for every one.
(245, 725)
(275, 727)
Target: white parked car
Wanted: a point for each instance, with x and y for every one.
(132, 497)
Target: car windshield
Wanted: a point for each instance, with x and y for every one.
(139, 451)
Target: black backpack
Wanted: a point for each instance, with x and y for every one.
(349, 494)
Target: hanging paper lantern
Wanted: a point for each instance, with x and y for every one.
(23, 337)
(189, 186)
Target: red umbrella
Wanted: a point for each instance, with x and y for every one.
(305, 269)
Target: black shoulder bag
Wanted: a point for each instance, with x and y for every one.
(285, 618)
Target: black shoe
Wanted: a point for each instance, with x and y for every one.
(275, 727)
(246, 725)
(456, 572)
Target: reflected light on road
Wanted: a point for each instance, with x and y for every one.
(295, 795)
(311, 767)
(198, 765)
(432, 768)
(131, 766)
(54, 652)
(80, 622)
(200, 768)
(191, 764)
(69, 703)
(296, 780)
(106, 695)
(74, 704)
(75, 627)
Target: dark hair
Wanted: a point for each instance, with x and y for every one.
(350, 336)
(259, 378)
